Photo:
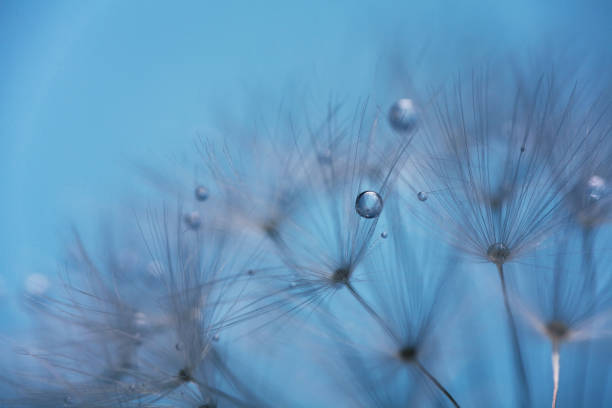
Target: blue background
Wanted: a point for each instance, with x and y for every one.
(88, 88)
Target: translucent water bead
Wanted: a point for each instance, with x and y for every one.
(596, 188)
(201, 193)
(422, 196)
(369, 204)
(193, 220)
(403, 115)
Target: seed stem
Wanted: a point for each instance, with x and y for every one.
(436, 382)
(556, 366)
(372, 312)
(515, 340)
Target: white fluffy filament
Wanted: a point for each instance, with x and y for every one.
(556, 367)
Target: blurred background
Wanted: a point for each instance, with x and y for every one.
(88, 89)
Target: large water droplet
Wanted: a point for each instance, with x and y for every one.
(422, 196)
(201, 193)
(498, 253)
(403, 115)
(369, 204)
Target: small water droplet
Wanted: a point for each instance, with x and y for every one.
(369, 204)
(384, 235)
(193, 220)
(201, 193)
(140, 319)
(178, 346)
(422, 196)
(596, 188)
(403, 115)
(292, 285)
(36, 284)
(250, 272)
(325, 157)
(68, 401)
(498, 253)
(216, 337)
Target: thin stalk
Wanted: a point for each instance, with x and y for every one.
(556, 367)
(436, 382)
(372, 312)
(386, 327)
(588, 239)
(515, 340)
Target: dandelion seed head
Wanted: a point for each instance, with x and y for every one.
(341, 275)
(407, 354)
(403, 115)
(557, 330)
(498, 253)
(201, 193)
(184, 375)
(422, 196)
(369, 204)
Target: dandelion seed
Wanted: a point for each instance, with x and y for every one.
(498, 253)
(201, 193)
(369, 204)
(422, 196)
(403, 116)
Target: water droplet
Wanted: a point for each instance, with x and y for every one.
(154, 269)
(250, 272)
(369, 204)
(498, 253)
(384, 235)
(324, 158)
(68, 401)
(178, 346)
(403, 115)
(201, 193)
(216, 337)
(140, 319)
(292, 285)
(36, 284)
(422, 196)
(193, 220)
(596, 188)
